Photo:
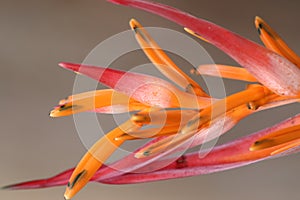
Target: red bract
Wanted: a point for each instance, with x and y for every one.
(159, 92)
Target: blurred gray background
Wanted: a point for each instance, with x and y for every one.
(36, 35)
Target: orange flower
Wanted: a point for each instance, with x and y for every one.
(183, 118)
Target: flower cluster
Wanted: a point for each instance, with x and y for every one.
(179, 119)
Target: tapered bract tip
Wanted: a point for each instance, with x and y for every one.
(70, 66)
(119, 2)
(15, 187)
(62, 64)
(7, 187)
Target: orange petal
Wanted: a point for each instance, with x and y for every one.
(98, 100)
(163, 63)
(95, 157)
(283, 139)
(274, 42)
(225, 71)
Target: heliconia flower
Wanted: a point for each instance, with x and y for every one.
(184, 117)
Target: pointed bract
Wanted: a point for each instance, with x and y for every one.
(159, 92)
